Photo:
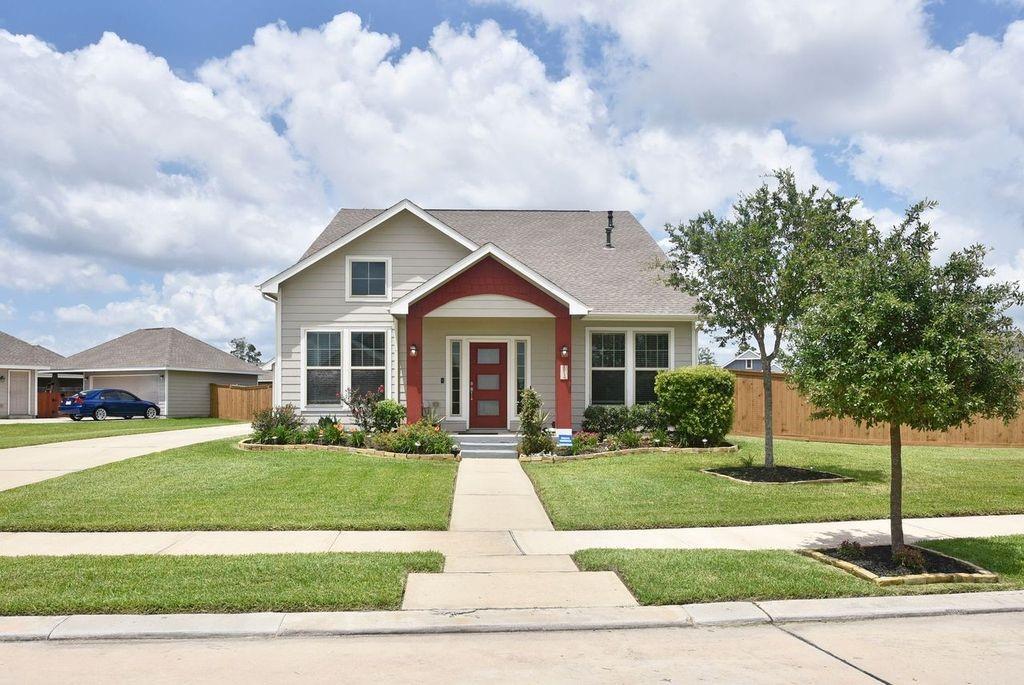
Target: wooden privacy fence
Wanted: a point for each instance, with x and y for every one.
(47, 405)
(239, 402)
(791, 418)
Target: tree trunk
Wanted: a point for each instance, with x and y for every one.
(769, 443)
(896, 488)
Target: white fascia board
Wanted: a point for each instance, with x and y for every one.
(24, 367)
(576, 308)
(137, 369)
(270, 286)
(611, 316)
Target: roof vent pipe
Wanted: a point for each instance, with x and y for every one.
(608, 231)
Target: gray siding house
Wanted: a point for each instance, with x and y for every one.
(748, 361)
(162, 365)
(20, 364)
(456, 311)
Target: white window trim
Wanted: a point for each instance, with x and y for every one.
(510, 373)
(748, 364)
(630, 368)
(346, 363)
(349, 297)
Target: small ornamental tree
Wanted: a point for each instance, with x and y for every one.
(751, 271)
(892, 339)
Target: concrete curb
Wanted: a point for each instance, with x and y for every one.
(326, 624)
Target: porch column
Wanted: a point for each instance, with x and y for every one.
(563, 387)
(413, 366)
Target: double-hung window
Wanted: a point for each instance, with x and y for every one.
(323, 367)
(368, 361)
(650, 353)
(608, 368)
(368, 278)
(624, 364)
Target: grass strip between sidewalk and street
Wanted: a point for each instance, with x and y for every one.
(45, 432)
(660, 490)
(685, 576)
(216, 486)
(147, 584)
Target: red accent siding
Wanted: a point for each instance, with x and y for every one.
(488, 277)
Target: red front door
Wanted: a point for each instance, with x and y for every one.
(488, 393)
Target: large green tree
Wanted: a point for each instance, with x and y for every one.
(892, 338)
(246, 351)
(750, 271)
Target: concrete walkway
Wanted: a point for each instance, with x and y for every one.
(23, 465)
(502, 549)
(495, 497)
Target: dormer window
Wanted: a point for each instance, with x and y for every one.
(368, 279)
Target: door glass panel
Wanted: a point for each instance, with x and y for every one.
(487, 407)
(488, 381)
(487, 355)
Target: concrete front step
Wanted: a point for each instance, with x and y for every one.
(489, 454)
(515, 590)
(510, 563)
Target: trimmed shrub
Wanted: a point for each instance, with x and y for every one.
(698, 402)
(606, 419)
(534, 437)
(388, 415)
(646, 417)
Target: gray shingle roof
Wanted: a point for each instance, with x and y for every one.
(17, 352)
(567, 247)
(157, 348)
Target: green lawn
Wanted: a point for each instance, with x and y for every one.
(23, 434)
(663, 576)
(187, 584)
(216, 486)
(667, 490)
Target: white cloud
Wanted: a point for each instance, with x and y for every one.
(32, 270)
(213, 307)
(6, 310)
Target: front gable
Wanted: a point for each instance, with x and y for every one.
(370, 236)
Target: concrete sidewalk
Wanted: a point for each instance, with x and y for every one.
(23, 465)
(323, 624)
(490, 549)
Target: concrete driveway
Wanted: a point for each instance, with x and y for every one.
(23, 465)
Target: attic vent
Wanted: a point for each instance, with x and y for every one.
(608, 231)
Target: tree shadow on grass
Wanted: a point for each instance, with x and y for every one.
(859, 475)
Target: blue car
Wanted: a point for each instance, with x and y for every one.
(106, 402)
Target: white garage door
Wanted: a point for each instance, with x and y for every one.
(20, 389)
(147, 386)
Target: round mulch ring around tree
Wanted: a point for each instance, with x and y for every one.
(778, 475)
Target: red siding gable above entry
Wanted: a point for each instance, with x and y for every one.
(487, 277)
(490, 277)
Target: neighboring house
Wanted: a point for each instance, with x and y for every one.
(749, 361)
(456, 311)
(267, 372)
(20, 363)
(162, 365)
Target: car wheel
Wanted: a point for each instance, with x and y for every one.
(100, 414)
(151, 413)
(76, 418)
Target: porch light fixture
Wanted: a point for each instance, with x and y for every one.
(565, 351)
(413, 351)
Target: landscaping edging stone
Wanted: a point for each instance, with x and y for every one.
(725, 449)
(979, 576)
(836, 479)
(259, 447)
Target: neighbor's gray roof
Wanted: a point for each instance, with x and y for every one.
(17, 352)
(157, 348)
(565, 246)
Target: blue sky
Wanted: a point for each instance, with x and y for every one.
(138, 212)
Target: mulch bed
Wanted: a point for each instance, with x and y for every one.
(877, 559)
(777, 474)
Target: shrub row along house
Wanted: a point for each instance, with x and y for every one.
(455, 312)
(162, 365)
